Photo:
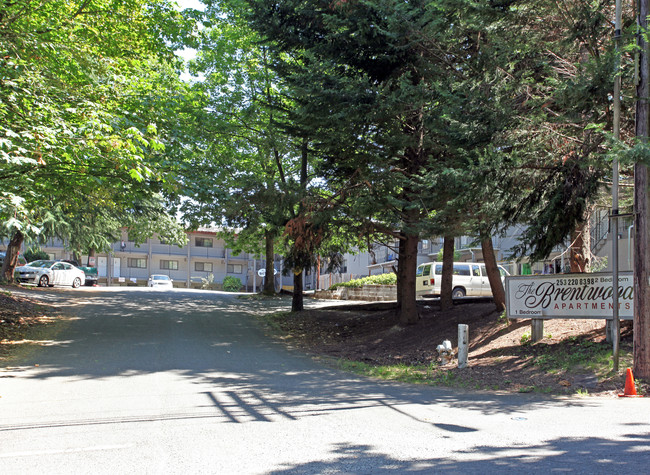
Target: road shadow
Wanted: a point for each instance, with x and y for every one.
(629, 455)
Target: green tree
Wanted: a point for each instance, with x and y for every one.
(385, 90)
(251, 173)
(64, 127)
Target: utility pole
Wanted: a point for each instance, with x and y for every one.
(641, 234)
(616, 321)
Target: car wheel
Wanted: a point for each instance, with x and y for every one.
(458, 293)
(76, 283)
(44, 281)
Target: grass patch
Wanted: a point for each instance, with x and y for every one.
(416, 374)
(576, 354)
(399, 372)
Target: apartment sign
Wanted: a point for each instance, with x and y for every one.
(569, 296)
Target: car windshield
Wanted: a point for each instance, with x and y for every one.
(40, 264)
(160, 277)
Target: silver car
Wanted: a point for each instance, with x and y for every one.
(160, 281)
(50, 273)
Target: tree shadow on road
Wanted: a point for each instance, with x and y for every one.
(629, 455)
(214, 341)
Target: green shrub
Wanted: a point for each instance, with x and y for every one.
(379, 279)
(231, 284)
(440, 252)
(34, 254)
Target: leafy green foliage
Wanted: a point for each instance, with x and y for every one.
(399, 100)
(231, 284)
(34, 254)
(379, 279)
(439, 256)
(83, 139)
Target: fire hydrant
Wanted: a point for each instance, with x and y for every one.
(445, 352)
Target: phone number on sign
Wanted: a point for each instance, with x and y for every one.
(582, 281)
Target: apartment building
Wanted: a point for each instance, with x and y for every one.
(205, 255)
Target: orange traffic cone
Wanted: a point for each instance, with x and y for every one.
(630, 388)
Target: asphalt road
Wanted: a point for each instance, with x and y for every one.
(141, 381)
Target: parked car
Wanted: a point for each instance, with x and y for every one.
(91, 272)
(469, 279)
(160, 281)
(46, 273)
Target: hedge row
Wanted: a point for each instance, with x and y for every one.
(379, 279)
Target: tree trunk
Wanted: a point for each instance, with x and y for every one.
(400, 270)
(11, 256)
(408, 262)
(641, 223)
(297, 302)
(447, 278)
(579, 257)
(269, 281)
(494, 276)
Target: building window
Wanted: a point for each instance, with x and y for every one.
(169, 265)
(234, 269)
(203, 242)
(137, 263)
(203, 266)
(425, 244)
(344, 267)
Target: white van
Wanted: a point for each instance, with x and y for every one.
(470, 279)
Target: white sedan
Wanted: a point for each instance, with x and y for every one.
(50, 273)
(160, 281)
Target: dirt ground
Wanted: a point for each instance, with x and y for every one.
(501, 356)
(20, 319)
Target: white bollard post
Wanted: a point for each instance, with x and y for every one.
(463, 345)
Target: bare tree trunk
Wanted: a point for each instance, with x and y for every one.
(11, 256)
(269, 280)
(408, 262)
(447, 278)
(641, 205)
(580, 251)
(494, 276)
(297, 303)
(400, 270)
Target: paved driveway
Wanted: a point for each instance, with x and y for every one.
(144, 381)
